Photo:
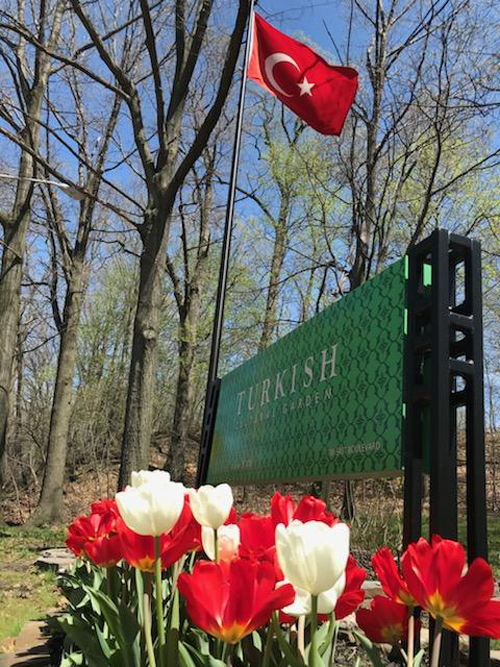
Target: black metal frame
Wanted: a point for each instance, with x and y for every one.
(207, 431)
(444, 371)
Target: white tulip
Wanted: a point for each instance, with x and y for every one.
(151, 508)
(327, 601)
(228, 540)
(312, 555)
(211, 504)
(145, 476)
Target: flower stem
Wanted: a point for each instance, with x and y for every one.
(411, 638)
(269, 646)
(301, 626)
(334, 641)
(436, 646)
(313, 649)
(160, 621)
(227, 653)
(109, 584)
(216, 546)
(146, 614)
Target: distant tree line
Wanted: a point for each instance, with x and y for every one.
(116, 125)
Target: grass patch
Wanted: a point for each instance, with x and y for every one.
(26, 592)
(372, 530)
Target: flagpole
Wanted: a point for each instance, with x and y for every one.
(211, 394)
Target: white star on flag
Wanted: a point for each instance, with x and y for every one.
(305, 87)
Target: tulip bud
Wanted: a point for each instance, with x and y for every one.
(145, 476)
(151, 508)
(228, 540)
(211, 504)
(312, 555)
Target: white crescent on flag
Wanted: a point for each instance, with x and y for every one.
(269, 65)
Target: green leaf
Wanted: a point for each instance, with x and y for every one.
(132, 633)
(370, 650)
(74, 659)
(201, 659)
(139, 584)
(185, 659)
(114, 621)
(417, 660)
(82, 636)
(325, 638)
(293, 660)
(173, 631)
(103, 642)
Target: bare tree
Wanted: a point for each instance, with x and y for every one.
(29, 71)
(163, 175)
(75, 267)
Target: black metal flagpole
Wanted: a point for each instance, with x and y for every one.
(211, 395)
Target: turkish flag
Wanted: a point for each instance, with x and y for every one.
(319, 93)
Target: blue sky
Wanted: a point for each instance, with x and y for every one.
(309, 18)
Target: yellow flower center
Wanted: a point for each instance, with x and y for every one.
(231, 634)
(145, 564)
(392, 633)
(406, 599)
(438, 607)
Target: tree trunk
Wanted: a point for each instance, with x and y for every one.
(188, 332)
(50, 506)
(279, 251)
(10, 294)
(176, 459)
(141, 384)
(15, 224)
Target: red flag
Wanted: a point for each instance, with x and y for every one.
(319, 93)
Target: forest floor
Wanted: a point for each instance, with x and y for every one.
(26, 592)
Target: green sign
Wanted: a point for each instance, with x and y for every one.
(324, 401)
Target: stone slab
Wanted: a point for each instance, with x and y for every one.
(59, 560)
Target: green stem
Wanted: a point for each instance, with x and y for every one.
(436, 646)
(146, 614)
(334, 642)
(269, 646)
(411, 638)
(124, 583)
(224, 651)
(109, 584)
(160, 621)
(313, 649)
(216, 546)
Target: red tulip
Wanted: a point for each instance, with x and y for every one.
(96, 535)
(139, 550)
(386, 622)
(256, 536)
(105, 508)
(283, 510)
(229, 601)
(392, 582)
(353, 594)
(434, 576)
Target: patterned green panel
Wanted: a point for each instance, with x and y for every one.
(325, 400)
